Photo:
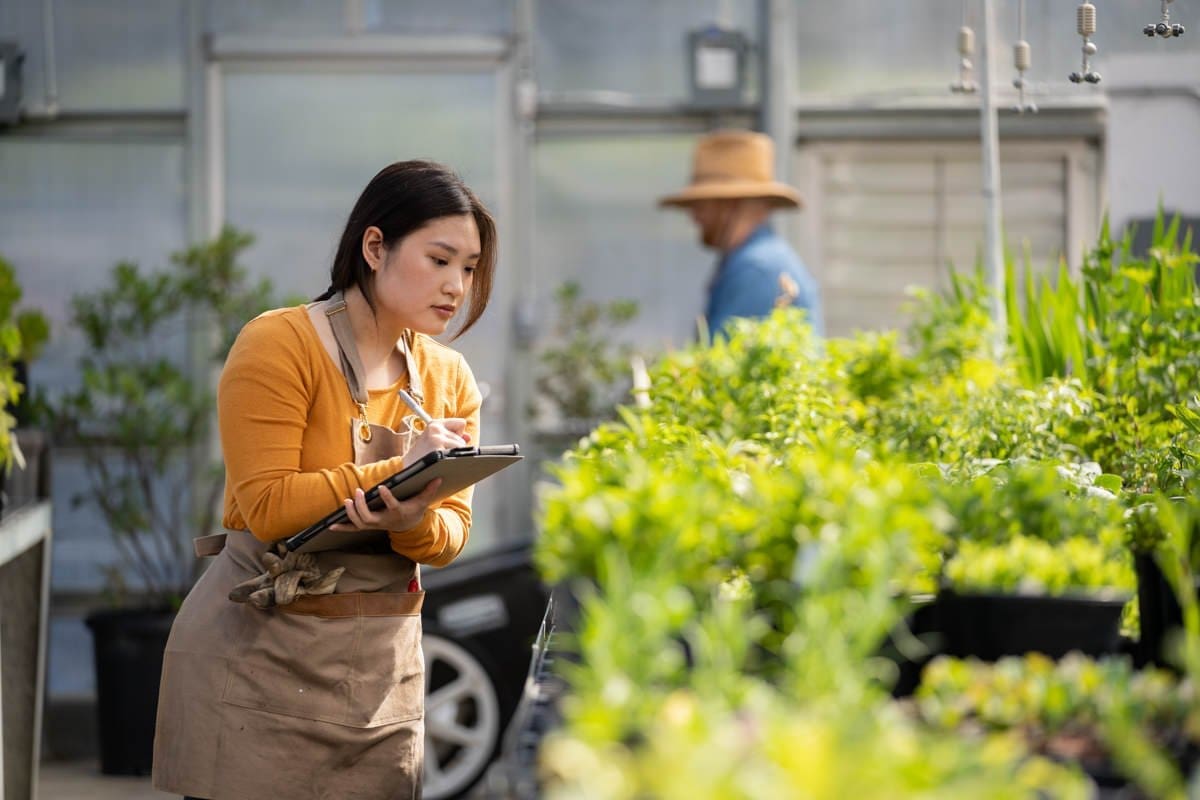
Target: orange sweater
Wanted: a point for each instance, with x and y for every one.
(284, 412)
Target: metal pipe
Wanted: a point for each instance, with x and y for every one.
(993, 255)
(50, 59)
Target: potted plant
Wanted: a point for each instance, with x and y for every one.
(141, 420)
(583, 373)
(1119, 724)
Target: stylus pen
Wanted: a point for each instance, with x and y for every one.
(415, 406)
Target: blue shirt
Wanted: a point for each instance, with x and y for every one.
(747, 282)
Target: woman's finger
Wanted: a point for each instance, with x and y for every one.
(352, 514)
(389, 500)
(426, 495)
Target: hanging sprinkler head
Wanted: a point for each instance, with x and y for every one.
(1085, 22)
(1022, 60)
(966, 48)
(1164, 27)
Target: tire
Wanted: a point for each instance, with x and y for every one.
(462, 716)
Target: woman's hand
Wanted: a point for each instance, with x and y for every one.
(396, 515)
(441, 434)
(400, 515)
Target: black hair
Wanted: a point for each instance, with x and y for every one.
(400, 199)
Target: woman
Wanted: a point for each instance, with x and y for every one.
(302, 677)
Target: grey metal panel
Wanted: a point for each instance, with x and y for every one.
(945, 120)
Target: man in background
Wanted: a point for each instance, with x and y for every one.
(731, 197)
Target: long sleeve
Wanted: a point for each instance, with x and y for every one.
(264, 406)
(443, 532)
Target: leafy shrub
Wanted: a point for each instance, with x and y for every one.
(141, 415)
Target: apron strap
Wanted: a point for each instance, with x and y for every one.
(414, 377)
(352, 368)
(343, 333)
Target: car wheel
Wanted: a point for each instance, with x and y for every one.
(462, 717)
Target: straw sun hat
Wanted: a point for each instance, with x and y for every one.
(730, 165)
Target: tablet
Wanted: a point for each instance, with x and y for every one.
(458, 469)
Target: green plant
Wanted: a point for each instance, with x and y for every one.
(22, 335)
(583, 374)
(141, 415)
(822, 484)
(35, 332)
(1128, 327)
(1027, 565)
(1101, 712)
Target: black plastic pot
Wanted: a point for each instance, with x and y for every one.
(1158, 609)
(991, 626)
(129, 647)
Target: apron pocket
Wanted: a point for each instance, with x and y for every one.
(362, 672)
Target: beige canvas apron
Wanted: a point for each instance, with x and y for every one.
(322, 698)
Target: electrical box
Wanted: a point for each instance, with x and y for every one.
(10, 82)
(717, 67)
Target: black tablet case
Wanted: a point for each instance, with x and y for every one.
(458, 469)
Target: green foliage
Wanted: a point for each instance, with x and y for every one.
(22, 334)
(583, 373)
(1101, 710)
(141, 416)
(1128, 328)
(1027, 565)
(772, 510)
(35, 332)
(947, 330)
(1043, 500)
(763, 384)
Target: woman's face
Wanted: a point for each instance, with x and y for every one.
(425, 278)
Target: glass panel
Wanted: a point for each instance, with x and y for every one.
(628, 45)
(122, 55)
(313, 17)
(69, 211)
(295, 191)
(23, 22)
(304, 17)
(913, 45)
(599, 225)
(446, 17)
